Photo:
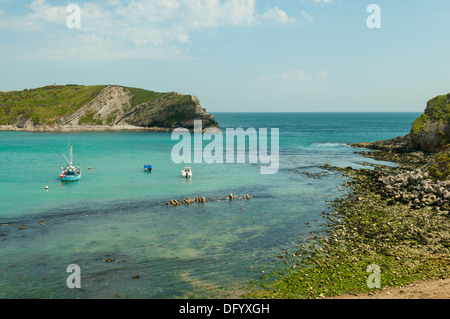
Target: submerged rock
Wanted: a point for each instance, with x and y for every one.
(202, 199)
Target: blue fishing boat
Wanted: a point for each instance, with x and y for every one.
(71, 172)
(147, 168)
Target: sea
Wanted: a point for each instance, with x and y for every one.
(115, 227)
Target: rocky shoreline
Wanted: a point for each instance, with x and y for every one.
(417, 189)
(83, 128)
(411, 183)
(394, 217)
(91, 128)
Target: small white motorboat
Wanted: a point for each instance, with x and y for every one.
(187, 172)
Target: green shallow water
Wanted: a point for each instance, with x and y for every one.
(118, 212)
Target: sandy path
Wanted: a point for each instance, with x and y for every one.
(438, 289)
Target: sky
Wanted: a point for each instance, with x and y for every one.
(236, 55)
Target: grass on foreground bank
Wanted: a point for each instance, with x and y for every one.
(407, 244)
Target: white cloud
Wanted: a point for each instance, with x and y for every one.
(298, 75)
(114, 2)
(41, 14)
(288, 76)
(322, 74)
(46, 12)
(276, 15)
(308, 18)
(133, 28)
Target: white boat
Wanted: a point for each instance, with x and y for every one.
(187, 172)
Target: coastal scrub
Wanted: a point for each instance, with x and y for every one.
(46, 104)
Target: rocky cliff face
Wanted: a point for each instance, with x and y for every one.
(112, 102)
(172, 111)
(114, 107)
(431, 131)
(120, 108)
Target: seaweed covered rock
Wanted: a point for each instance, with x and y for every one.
(439, 167)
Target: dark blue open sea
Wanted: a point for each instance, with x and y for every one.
(115, 225)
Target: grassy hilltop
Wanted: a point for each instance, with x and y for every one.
(47, 104)
(69, 106)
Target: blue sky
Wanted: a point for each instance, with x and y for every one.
(237, 55)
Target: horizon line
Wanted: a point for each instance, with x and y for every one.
(311, 112)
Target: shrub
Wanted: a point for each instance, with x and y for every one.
(419, 124)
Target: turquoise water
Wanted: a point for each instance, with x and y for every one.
(118, 212)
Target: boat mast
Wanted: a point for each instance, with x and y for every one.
(70, 155)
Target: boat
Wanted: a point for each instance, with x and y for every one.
(71, 172)
(187, 172)
(147, 168)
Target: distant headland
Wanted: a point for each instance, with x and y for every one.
(66, 108)
(429, 136)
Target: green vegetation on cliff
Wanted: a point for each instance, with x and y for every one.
(45, 105)
(431, 131)
(437, 111)
(439, 108)
(89, 119)
(141, 95)
(67, 107)
(419, 124)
